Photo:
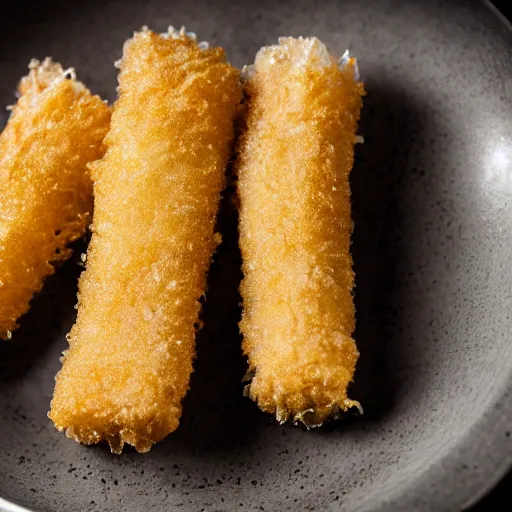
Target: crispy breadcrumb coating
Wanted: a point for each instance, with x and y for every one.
(157, 193)
(55, 129)
(295, 225)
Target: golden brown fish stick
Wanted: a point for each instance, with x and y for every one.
(295, 225)
(55, 129)
(157, 193)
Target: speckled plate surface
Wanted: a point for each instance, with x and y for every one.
(432, 195)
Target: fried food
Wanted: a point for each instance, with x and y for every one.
(295, 158)
(55, 129)
(157, 193)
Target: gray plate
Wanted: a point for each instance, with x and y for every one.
(432, 193)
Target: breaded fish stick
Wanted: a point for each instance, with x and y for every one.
(157, 193)
(295, 225)
(55, 129)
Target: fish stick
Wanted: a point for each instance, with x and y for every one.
(295, 158)
(55, 129)
(157, 193)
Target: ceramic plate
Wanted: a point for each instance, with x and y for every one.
(432, 200)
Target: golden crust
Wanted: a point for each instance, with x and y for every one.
(157, 192)
(295, 158)
(55, 129)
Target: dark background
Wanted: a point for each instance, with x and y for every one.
(500, 499)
